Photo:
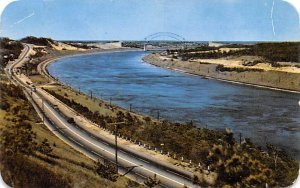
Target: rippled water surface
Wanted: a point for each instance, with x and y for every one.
(261, 114)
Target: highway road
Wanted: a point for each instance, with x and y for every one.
(10, 66)
(93, 145)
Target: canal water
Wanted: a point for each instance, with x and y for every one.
(261, 114)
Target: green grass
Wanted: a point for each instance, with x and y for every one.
(38, 79)
(92, 104)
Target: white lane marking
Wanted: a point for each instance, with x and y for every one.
(175, 173)
(105, 143)
(104, 149)
(75, 141)
(93, 137)
(143, 160)
(96, 153)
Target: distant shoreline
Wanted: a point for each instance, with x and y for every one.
(76, 54)
(150, 59)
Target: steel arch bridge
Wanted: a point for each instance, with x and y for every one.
(170, 35)
(164, 34)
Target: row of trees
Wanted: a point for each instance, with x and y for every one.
(272, 52)
(223, 68)
(38, 41)
(281, 51)
(10, 50)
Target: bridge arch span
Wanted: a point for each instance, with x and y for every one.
(164, 34)
(154, 36)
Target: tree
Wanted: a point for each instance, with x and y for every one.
(106, 170)
(45, 147)
(152, 182)
(120, 116)
(229, 137)
(18, 138)
(233, 167)
(273, 151)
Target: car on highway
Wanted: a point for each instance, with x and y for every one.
(71, 120)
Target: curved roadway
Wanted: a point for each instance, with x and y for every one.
(97, 146)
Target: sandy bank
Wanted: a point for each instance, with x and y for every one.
(272, 79)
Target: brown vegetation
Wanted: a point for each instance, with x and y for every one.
(31, 156)
(234, 163)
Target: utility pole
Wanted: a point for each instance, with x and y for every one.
(43, 111)
(116, 146)
(116, 143)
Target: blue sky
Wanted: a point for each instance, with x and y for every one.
(208, 20)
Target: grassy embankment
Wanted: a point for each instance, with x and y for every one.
(32, 156)
(230, 162)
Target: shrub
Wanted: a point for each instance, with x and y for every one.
(4, 105)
